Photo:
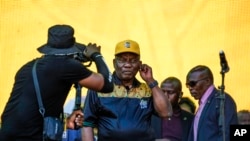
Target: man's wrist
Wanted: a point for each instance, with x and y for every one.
(95, 55)
(153, 84)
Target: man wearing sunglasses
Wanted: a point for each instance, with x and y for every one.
(206, 125)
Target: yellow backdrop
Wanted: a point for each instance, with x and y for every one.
(174, 35)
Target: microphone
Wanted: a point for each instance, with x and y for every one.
(223, 62)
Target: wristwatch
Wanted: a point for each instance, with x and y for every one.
(153, 84)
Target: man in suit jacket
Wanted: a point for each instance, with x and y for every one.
(207, 125)
(177, 127)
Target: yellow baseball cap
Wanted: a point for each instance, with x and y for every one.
(127, 46)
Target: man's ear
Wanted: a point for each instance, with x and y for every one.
(114, 64)
(181, 94)
(140, 65)
(208, 81)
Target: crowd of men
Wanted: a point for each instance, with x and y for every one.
(117, 104)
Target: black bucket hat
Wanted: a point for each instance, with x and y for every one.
(61, 40)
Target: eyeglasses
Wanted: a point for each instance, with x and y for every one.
(122, 61)
(193, 83)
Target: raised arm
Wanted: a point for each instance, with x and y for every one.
(101, 81)
(161, 103)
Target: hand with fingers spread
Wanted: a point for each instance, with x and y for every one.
(91, 48)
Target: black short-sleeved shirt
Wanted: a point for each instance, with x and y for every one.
(121, 115)
(55, 74)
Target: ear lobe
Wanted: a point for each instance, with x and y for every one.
(181, 94)
(140, 62)
(114, 63)
(208, 81)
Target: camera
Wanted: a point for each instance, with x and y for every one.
(81, 57)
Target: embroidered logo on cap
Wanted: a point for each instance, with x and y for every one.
(127, 44)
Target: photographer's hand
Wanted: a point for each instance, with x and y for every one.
(75, 119)
(91, 49)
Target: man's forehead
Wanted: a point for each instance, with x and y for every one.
(196, 75)
(168, 85)
(127, 54)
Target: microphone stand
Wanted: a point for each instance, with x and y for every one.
(222, 104)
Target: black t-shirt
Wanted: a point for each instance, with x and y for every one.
(55, 74)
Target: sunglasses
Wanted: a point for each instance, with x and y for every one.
(193, 83)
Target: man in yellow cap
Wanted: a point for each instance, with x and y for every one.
(125, 113)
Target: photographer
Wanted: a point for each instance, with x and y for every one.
(58, 69)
